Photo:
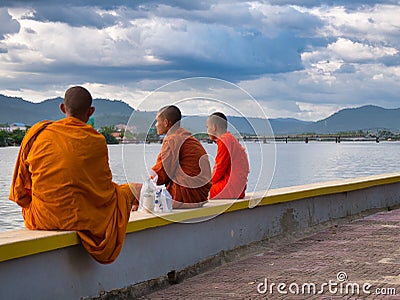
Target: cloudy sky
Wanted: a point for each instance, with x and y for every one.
(304, 59)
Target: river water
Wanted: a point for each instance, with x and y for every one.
(271, 165)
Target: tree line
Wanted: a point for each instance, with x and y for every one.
(14, 138)
(114, 136)
(11, 138)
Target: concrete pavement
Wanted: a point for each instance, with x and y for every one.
(351, 260)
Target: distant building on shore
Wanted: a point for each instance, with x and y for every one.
(14, 126)
(21, 126)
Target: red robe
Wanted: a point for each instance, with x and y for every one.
(62, 181)
(184, 168)
(231, 168)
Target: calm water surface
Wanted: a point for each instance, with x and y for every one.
(296, 163)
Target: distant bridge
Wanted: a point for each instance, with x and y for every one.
(280, 138)
(307, 138)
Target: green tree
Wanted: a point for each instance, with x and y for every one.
(128, 135)
(108, 131)
(4, 135)
(17, 135)
(122, 133)
(201, 136)
(385, 134)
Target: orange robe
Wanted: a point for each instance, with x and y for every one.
(184, 168)
(62, 181)
(231, 168)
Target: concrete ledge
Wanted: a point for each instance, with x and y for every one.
(156, 245)
(23, 242)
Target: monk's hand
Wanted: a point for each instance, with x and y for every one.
(135, 188)
(135, 207)
(153, 175)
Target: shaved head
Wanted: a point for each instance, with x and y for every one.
(219, 120)
(171, 113)
(77, 101)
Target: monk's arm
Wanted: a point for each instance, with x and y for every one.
(20, 195)
(20, 191)
(222, 161)
(159, 169)
(166, 163)
(131, 192)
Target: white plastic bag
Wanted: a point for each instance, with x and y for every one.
(163, 201)
(147, 195)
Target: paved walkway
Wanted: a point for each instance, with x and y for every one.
(365, 251)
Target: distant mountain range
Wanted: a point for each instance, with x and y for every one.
(366, 118)
(113, 112)
(14, 109)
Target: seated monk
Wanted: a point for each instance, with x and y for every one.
(182, 164)
(62, 180)
(231, 168)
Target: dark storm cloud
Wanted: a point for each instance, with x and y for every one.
(346, 68)
(353, 4)
(8, 24)
(105, 4)
(75, 16)
(337, 53)
(234, 42)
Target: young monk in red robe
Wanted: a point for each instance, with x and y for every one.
(182, 164)
(62, 180)
(231, 168)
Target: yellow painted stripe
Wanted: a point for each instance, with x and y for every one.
(43, 244)
(25, 247)
(327, 190)
(304, 192)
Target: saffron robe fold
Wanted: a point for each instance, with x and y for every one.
(183, 166)
(62, 181)
(231, 168)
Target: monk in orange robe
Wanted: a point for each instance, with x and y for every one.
(62, 180)
(231, 167)
(182, 164)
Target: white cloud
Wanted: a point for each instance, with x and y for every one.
(313, 111)
(62, 44)
(378, 24)
(319, 90)
(275, 19)
(353, 51)
(298, 59)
